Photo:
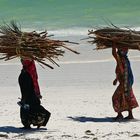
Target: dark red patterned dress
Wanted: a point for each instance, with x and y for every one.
(123, 97)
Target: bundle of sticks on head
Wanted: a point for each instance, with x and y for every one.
(115, 37)
(30, 45)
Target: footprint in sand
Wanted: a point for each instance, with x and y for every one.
(88, 132)
(66, 136)
(135, 135)
(85, 137)
(4, 135)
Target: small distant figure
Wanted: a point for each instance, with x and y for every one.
(123, 98)
(31, 111)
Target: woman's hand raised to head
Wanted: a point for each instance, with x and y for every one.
(115, 82)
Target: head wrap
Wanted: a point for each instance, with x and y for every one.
(122, 52)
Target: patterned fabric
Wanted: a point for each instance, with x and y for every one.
(121, 102)
(123, 98)
(29, 66)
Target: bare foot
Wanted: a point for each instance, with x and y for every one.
(38, 126)
(119, 117)
(129, 117)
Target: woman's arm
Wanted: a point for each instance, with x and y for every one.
(118, 60)
(115, 82)
(114, 53)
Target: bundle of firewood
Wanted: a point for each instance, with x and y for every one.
(115, 37)
(30, 45)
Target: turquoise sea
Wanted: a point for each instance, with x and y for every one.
(62, 14)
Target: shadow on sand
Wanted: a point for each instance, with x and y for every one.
(12, 129)
(91, 119)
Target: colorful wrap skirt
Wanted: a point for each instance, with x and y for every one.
(122, 102)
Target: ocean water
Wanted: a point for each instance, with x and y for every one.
(73, 16)
(71, 20)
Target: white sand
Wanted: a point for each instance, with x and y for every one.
(78, 95)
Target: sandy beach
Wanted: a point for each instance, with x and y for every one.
(78, 94)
